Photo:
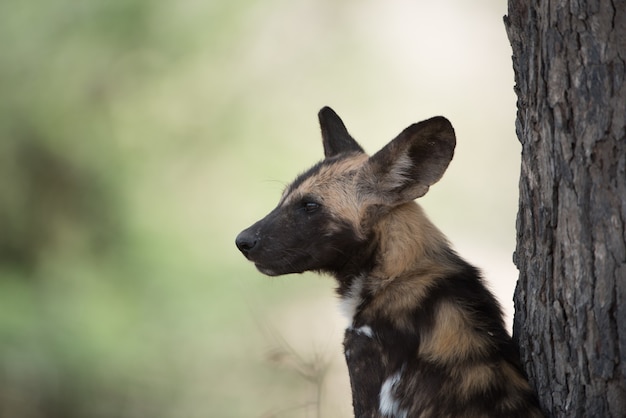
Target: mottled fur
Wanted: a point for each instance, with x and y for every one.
(426, 337)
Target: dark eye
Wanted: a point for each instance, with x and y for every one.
(309, 206)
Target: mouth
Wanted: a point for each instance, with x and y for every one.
(268, 271)
(265, 270)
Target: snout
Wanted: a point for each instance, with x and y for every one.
(246, 241)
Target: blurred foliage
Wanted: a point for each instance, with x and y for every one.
(104, 312)
(61, 207)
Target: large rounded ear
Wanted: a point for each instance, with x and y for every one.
(335, 136)
(417, 158)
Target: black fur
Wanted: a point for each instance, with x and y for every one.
(426, 385)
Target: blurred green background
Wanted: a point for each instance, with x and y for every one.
(138, 137)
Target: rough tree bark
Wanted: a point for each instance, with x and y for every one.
(570, 320)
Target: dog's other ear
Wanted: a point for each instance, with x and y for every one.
(335, 136)
(417, 158)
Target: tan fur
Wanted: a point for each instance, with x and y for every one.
(409, 242)
(340, 196)
(475, 379)
(453, 338)
(395, 298)
(410, 247)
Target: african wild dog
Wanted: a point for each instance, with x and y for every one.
(426, 337)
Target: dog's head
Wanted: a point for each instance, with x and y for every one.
(324, 220)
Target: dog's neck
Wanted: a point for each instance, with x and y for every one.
(409, 255)
(407, 243)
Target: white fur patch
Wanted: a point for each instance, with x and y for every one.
(389, 405)
(351, 301)
(365, 330)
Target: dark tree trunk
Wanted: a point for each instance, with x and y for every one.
(570, 301)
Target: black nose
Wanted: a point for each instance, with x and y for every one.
(246, 241)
